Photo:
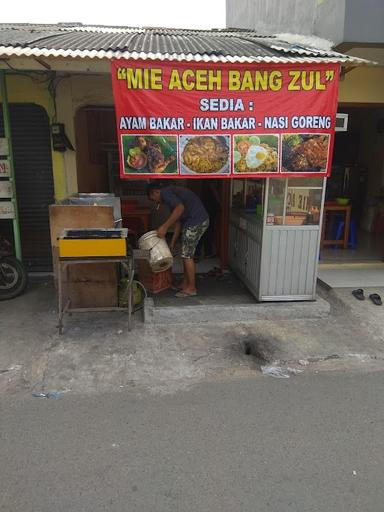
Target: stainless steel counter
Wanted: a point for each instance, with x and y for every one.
(276, 263)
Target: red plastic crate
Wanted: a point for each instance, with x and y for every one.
(154, 282)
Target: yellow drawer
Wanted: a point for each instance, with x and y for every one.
(92, 248)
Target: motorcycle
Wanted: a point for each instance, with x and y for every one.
(13, 276)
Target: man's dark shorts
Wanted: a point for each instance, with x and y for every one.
(190, 237)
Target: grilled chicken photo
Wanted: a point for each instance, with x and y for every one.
(310, 155)
(155, 158)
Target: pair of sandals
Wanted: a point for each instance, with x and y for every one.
(375, 297)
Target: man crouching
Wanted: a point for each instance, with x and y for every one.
(190, 219)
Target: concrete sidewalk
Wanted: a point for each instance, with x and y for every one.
(350, 274)
(96, 352)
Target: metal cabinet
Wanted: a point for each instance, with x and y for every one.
(245, 249)
(232, 252)
(289, 263)
(253, 265)
(242, 249)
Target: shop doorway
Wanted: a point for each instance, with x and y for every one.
(216, 281)
(96, 149)
(358, 177)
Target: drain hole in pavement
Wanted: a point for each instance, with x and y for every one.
(256, 349)
(247, 348)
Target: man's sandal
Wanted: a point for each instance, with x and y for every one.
(184, 295)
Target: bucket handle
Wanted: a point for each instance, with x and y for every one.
(155, 245)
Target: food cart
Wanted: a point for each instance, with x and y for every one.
(274, 249)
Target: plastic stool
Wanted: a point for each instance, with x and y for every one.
(353, 235)
(352, 239)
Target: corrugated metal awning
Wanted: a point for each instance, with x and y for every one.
(100, 42)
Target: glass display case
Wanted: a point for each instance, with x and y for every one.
(238, 192)
(248, 196)
(274, 236)
(294, 201)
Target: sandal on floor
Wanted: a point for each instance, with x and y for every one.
(359, 294)
(184, 295)
(376, 299)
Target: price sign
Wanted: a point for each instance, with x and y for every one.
(5, 169)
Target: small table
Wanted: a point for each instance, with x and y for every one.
(63, 263)
(331, 209)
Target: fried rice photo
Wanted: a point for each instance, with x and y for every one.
(205, 154)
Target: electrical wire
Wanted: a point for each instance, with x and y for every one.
(45, 77)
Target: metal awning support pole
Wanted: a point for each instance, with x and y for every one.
(7, 133)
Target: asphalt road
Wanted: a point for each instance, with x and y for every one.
(308, 443)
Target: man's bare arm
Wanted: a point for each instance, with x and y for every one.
(176, 234)
(172, 219)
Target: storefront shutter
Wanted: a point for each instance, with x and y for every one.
(34, 181)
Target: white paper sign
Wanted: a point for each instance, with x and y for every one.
(5, 168)
(298, 200)
(4, 147)
(5, 189)
(7, 210)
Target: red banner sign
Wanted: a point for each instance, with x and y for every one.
(201, 120)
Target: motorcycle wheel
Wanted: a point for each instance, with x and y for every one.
(13, 278)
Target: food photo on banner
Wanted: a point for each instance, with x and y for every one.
(204, 154)
(305, 152)
(143, 154)
(201, 120)
(255, 153)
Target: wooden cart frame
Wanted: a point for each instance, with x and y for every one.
(65, 302)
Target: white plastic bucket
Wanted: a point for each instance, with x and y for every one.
(160, 257)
